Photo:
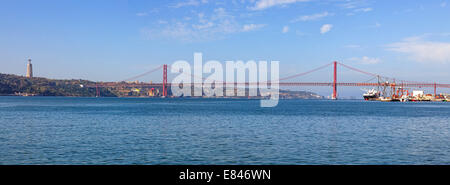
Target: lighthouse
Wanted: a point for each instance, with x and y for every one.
(29, 69)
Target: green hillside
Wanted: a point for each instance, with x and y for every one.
(11, 84)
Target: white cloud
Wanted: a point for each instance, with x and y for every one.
(363, 10)
(203, 26)
(349, 4)
(423, 51)
(443, 4)
(350, 14)
(264, 4)
(311, 17)
(251, 27)
(325, 28)
(206, 26)
(140, 14)
(352, 46)
(359, 10)
(189, 3)
(162, 22)
(353, 4)
(285, 29)
(365, 60)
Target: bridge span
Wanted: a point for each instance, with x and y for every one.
(384, 83)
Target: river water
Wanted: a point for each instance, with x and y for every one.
(64, 130)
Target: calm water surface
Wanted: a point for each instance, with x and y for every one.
(61, 130)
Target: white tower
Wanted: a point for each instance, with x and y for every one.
(29, 69)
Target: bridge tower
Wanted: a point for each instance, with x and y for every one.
(334, 96)
(435, 89)
(164, 80)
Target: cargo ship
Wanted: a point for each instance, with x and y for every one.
(403, 95)
(372, 95)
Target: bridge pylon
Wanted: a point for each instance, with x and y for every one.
(334, 96)
(164, 80)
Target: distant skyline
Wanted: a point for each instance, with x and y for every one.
(109, 40)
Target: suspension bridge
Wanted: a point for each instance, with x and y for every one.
(383, 81)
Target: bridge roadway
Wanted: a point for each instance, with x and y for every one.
(283, 84)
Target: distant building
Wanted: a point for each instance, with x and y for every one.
(29, 69)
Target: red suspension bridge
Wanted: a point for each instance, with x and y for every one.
(386, 82)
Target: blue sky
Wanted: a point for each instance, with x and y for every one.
(109, 40)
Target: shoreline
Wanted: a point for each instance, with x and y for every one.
(158, 97)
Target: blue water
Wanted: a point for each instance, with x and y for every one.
(61, 130)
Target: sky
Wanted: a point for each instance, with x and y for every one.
(112, 40)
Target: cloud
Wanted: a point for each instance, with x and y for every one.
(443, 4)
(363, 10)
(162, 22)
(215, 25)
(325, 28)
(203, 26)
(365, 60)
(189, 3)
(152, 11)
(140, 14)
(285, 29)
(353, 4)
(311, 17)
(359, 10)
(251, 27)
(421, 50)
(264, 4)
(352, 46)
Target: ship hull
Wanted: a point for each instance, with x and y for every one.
(371, 98)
